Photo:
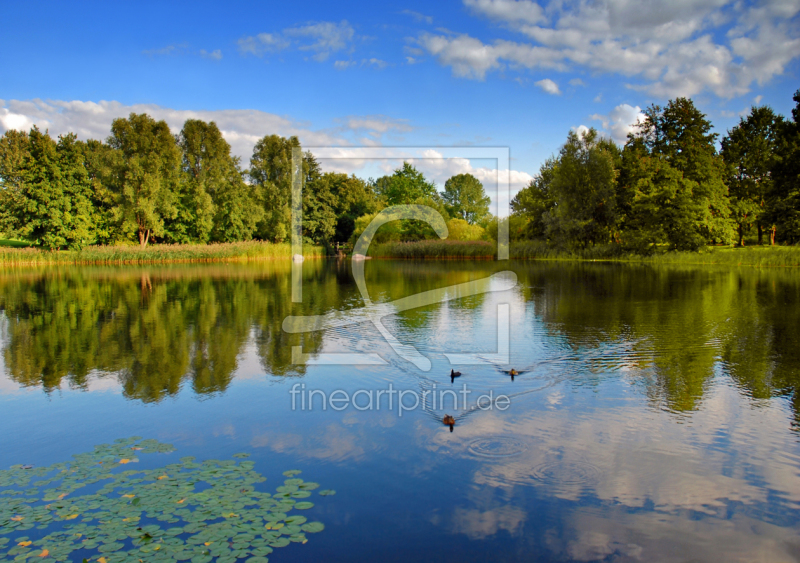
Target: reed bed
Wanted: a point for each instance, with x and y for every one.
(160, 253)
(435, 250)
(787, 256)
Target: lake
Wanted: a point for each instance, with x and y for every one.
(655, 416)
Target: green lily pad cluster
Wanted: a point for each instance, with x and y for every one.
(187, 511)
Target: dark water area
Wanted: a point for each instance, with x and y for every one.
(655, 416)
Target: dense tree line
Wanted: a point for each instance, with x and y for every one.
(145, 184)
(669, 185)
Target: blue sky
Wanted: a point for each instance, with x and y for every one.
(495, 73)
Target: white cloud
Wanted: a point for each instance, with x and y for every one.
(680, 48)
(216, 54)
(580, 130)
(418, 17)
(621, 121)
(168, 50)
(548, 86)
(342, 65)
(757, 99)
(377, 124)
(322, 38)
(577, 82)
(523, 11)
(377, 63)
(325, 37)
(92, 120)
(261, 44)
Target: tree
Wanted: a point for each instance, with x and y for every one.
(783, 200)
(215, 193)
(749, 150)
(271, 173)
(145, 175)
(534, 200)
(583, 187)
(350, 198)
(99, 159)
(51, 194)
(465, 198)
(14, 147)
(407, 185)
(680, 135)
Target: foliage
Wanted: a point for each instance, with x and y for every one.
(271, 175)
(406, 185)
(749, 150)
(145, 174)
(583, 191)
(459, 229)
(47, 192)
(465, 198)
(784, 199)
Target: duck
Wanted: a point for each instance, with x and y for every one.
(454, 374)
(449, 421)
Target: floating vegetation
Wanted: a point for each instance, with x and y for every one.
(187, 511)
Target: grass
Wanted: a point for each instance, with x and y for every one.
(161, 253)
(435, 250)
(540, 250)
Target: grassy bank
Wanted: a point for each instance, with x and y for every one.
(435, 250)
(538, 250)
(161, 253)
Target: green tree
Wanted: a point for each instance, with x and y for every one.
(583, 188)
(271, 174)
(215, 194)
(749, 150)
(407, 185)
(783, 201)
(51, 199)
(99, 159)
(145, 175)
(465, 198)
(680, 135)
(532, 202)
(661, 207)
(14, 152)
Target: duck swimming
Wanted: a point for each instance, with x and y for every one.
(449, 421)
(454, 374)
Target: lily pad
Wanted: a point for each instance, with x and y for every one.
(304, 505)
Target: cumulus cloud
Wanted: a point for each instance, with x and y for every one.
(620, 121)
(92, 120)
(548, 86)
(679, 48)
(322, 38)
(523, 11)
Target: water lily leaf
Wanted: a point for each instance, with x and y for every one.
(304, 505)
(313, 527)
(327, 493)
(292, 472)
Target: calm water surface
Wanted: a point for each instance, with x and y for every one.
(656, 419)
